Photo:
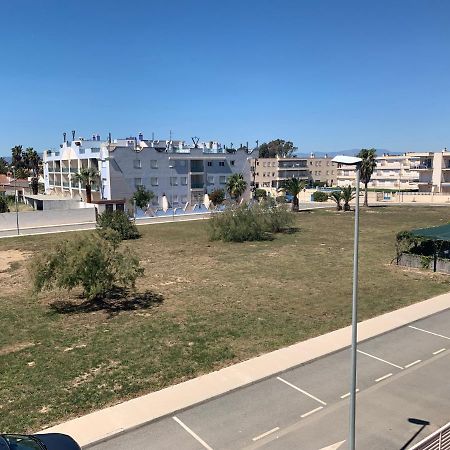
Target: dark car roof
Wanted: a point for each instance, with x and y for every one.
(49, 441)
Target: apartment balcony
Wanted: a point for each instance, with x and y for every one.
(424, 167)
(197, 186)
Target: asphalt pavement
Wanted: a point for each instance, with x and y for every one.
(402, 380)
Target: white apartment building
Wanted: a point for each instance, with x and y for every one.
(400, 172)
(170, 168)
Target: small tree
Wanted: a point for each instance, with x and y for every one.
(347, 196)
(217, 197)
(3, 204)
(336, 196)
(34, 164)
(236, 186)
(293, 186)
(319, 196)
(92, 263)
(87, 176)
(142, 197)
(119, 222)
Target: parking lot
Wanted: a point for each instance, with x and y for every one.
(402, 375)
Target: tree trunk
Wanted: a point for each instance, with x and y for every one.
(366, 203)
(346, 206)
(88, 194)
(295, 203)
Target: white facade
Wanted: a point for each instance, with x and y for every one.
(172, 170)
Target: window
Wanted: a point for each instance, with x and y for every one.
(345, 173)
(109, 208)
(154, 164)
(273, 174)
(328, 163)
(274, 164)
(137, 164)
(257, 163)
(154, 181)
(222, 180)
(183, 181)
(173, 181)
(120, 207)
(222, 163)
(209, 163)
(264, 164)
(138, 182)
(210, 179)
(232, 162)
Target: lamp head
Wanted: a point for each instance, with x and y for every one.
(346, 160)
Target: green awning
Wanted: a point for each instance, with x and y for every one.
(441, 233)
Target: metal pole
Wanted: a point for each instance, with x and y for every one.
(354, 318)
(15, 201)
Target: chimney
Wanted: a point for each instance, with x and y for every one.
(98, 137)
(109, 138)
(64, 137)
(93, 137)
(141, 136)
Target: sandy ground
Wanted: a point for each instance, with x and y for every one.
(7, 257)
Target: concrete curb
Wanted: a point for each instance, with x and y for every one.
(100, 425)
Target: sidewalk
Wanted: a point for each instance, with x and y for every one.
(101, 424)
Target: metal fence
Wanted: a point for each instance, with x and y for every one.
(439, 440)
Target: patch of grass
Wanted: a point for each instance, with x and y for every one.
(202, 305)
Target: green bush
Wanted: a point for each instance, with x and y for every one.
(280, 199)
(92, 263)
(217, 197)
(245, 223)
(119, 222)
(320, 196)
(3, 204)
(260, 193)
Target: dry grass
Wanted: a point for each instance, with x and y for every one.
(201, 306)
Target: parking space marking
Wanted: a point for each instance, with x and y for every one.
(302, 391)
(257, 438)
(379, 359)
(311, 412)
(413, 363)
(439, 351)
(429, 332)
(348, 394)
(383, 377)
(195, 436)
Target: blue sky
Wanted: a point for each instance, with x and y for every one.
(329, 75)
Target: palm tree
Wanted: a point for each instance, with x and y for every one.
(236, 186)
(348, 195)
(336, 196)
(33, 163)
(368, 165)
(87, 176)
(293, 186)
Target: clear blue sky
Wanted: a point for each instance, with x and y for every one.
(329, 75)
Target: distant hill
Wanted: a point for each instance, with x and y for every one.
(351, 152)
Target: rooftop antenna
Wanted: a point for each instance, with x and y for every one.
(64, 136)
(109, 137)
(73, 135)
(195, 140)
(170, 135)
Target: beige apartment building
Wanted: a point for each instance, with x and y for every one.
(269, 173)
(418, 171)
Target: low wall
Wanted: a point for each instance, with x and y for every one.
(416, 261)
(33, 219)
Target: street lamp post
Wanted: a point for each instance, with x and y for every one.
(15, 199)
(171, 166)
(352, 161)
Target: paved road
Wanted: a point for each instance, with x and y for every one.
(402, 375)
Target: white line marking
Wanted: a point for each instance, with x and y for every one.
(379, 359)
(348, 394)
(196, 437)
(439, 351)
(302, 391)
(311, 412)
(413, 363)
(430, 332)
(383, 377)
(265, 434)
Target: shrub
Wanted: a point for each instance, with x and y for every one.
(3, 204)
(260, 193)
(280, 199)
(142, 197)
(118, 221)
(217, 197)
(320, 196)
(92, 263)
(244, 223)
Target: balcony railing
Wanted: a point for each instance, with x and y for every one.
(197, 185)
(66, 184)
